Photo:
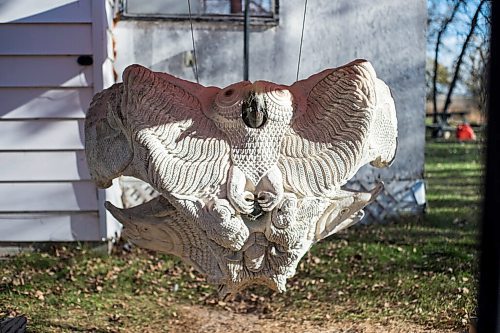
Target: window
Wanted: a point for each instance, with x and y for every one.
(224, 10)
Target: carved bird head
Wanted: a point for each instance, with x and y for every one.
(254, 110)
(254, 117)
(252, 105)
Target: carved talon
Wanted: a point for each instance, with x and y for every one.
(286, 213)
(243, 203)
(267, 201)
(226, 229)
(241, 199)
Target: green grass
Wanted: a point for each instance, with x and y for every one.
(416, 270)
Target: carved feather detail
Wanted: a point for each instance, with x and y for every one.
(185, 152)
(326, 144)
(157, 225)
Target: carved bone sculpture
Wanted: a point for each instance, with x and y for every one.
(250, 175)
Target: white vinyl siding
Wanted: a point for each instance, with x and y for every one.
(43, 166)
(45, 186)
(44, 71)
(47, 39)
(46, 11)
(47, 103)
(19, 135)
(49, 197)
(43, 227)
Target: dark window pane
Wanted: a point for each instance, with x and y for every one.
(164, 7)
(198, 7)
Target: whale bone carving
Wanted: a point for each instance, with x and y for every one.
(250, 176)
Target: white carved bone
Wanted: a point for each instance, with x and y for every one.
(250, 175)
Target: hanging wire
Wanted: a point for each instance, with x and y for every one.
(301, 38)
(194, 48)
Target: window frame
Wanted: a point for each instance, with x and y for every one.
(237, 19)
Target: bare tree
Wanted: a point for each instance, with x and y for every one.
(460, 58)
(442, 30)
(477, 80)
(478, 63)
(458, 66)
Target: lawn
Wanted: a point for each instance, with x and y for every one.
(415, 274)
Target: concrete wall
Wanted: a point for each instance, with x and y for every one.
(389, 33)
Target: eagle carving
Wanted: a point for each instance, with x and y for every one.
(250, 176)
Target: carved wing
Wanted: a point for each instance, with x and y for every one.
(159, 226)
(175, 147)
(334, 129)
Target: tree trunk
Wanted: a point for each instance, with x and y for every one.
(456, 74)
(436, 55)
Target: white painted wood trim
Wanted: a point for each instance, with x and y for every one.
(103, 78)
(110, 52)
(99, 40)
(109, 12)
(108, 78)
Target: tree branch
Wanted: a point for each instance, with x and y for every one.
(441, 31)
(456, 73)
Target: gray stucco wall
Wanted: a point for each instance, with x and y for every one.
(388, 33)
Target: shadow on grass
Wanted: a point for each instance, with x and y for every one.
(68, 327)
(453, 202)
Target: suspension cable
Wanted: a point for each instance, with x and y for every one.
(301, 38)
(194, 48)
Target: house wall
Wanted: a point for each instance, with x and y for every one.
(46, 190)
(388, 33)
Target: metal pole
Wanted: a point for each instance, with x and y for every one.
(246, 40)
(489, 278)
